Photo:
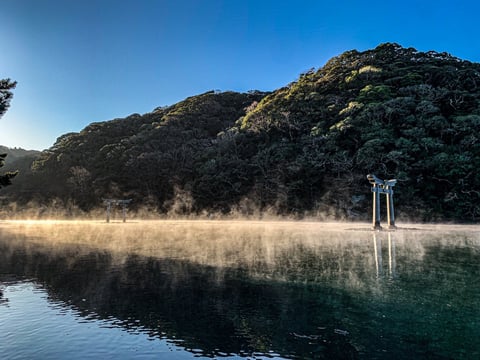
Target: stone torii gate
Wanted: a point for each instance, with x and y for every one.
(380, 186)
(116, 202)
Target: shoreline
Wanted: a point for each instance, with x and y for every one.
(321, 225)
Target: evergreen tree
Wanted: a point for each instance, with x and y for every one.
(6, 179)
(6, 85)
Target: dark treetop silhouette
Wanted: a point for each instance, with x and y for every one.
(6, 85)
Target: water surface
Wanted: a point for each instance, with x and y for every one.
(181, 289)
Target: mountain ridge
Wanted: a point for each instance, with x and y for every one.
(303, 149)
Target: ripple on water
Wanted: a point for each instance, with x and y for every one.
(33, 327)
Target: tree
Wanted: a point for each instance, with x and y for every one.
(6, 179)
(6, 85)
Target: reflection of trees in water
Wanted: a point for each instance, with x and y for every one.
(286, 295)
(218, 310)
(3, 300)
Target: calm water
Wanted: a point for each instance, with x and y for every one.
(182, 290)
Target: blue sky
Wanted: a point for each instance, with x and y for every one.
(83, 61)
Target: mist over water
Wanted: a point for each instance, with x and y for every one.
(240, 289)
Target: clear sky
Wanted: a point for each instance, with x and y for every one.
(82, 61)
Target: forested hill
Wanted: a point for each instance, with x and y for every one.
(304, 149)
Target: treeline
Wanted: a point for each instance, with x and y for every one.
(304, 149)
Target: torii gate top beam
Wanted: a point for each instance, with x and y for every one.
(379, 182)
(375, 180)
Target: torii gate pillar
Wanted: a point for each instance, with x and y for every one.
(380, 186)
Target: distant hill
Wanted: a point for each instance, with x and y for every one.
(304, 149)
(14, 154)
(20, 160)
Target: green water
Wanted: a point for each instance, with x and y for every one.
(252, 290)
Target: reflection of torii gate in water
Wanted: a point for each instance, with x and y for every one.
(377, 246)
(110, 202)
(380, 186)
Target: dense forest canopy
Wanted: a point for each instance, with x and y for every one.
(304, 149)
